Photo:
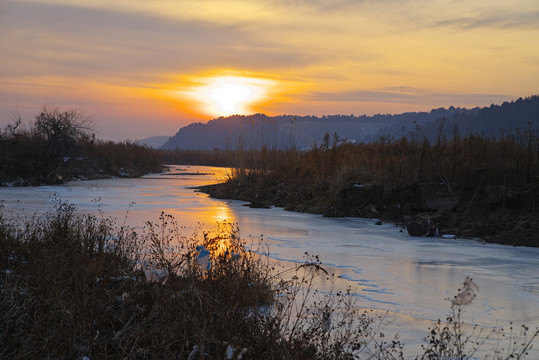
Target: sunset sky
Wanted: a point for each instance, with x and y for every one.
(140, 68)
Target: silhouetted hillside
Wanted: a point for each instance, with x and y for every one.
(493, 121)
(153, 141)
(286, 131)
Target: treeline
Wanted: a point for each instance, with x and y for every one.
(61, 146)
(198, 157)
(256, 131)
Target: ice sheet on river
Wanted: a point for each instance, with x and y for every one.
(409, 276)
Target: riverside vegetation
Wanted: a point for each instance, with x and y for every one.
(60, 146)
(76, 286)
(80, 286)
(467, 186)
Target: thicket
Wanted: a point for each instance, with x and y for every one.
(198, 157)
(464, 185)
(512, 159)
(61, 145)
(76, 286)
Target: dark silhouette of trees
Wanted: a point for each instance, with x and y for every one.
(61, 146)
(61, 132)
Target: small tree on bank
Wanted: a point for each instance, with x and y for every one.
(61, 146)
(61, 131)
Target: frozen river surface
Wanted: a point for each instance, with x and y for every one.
(390, 271)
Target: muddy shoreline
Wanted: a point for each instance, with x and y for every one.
(492, 214)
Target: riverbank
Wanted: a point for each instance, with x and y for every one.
(503, 216)
(92, 165)
(470, 187)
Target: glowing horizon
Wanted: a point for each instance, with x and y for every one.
(225, 95)
(141, 68)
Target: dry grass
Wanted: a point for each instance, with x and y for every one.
(452, 339)
(79, 287)
(76, 286)
(508, 162)
(511, 159)
(458, 183)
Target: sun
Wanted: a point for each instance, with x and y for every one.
(229, 95)
(230, 98)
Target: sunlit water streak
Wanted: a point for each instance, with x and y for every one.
(390, 271)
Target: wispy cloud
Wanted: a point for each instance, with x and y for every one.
(408, 94)
(126, 57)
(361, 96)
(77, 41)
(497, 19)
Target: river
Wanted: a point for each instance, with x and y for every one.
(409, 277)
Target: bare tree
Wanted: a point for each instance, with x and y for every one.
(62, 130)
(63, 126)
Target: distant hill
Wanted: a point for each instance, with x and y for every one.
(153, 141)
(492, 121)
(285, 131)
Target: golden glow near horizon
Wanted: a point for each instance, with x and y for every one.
(229, 94)
(142, 68)
(229, 97)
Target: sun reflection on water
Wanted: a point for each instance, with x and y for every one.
(222, 213)
(223, 240)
